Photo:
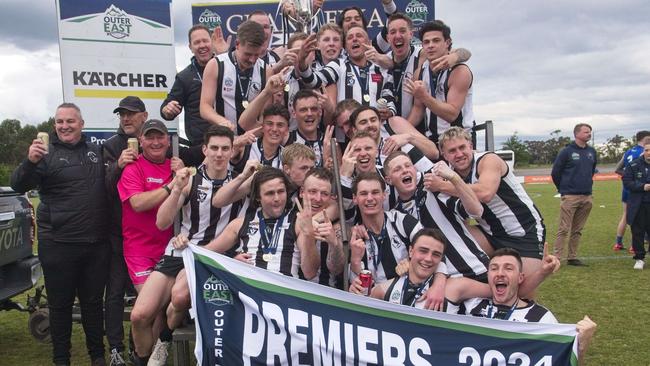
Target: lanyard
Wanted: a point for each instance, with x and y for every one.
(264, 160)
(418, 292)
(363, 81)
(377, 242)
(270, 245)
(315, 145)
(412, 205)
(240, 76)
(402, 71)
(196, 69)
(508, 314)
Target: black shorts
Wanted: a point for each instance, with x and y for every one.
(528, 246)
(169, 266)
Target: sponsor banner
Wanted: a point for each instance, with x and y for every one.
(548, 179)
(111, 49)
(249, 316)
(229, 14)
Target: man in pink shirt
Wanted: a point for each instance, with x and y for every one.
(143, 187)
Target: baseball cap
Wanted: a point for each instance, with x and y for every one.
(154, 124)
(131, 103)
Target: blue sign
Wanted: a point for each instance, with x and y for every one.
(229, 15)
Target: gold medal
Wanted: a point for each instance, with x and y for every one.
(366, 98)
(267, 257)
(287, 87)
(244, 104)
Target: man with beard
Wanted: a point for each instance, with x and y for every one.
(510, 218)
(505, 275)
(272, 235)
(117, 155)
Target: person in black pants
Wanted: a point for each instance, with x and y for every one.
(636, 179)
(132, 113)
(72, 223)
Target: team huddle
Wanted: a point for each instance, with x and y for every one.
(435, 224)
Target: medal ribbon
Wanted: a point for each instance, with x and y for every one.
(270, 245)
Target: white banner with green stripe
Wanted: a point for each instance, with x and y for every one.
(111, 49)
(249, 316)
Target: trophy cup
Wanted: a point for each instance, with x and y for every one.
(304, 15)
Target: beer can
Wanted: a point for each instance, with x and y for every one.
(366, 280)
(382, 103)
(133, 144)
(45, 138)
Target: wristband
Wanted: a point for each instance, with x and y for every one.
(167, 189)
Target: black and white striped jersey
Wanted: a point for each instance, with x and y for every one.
(484, 308)
(401, 291)
(255, 151)
(316, 145)
(511, 215)
(270, 57)
(235, 89)
(286, 259)
(364, 84)
(464, 257)
(420, 161)
(437, 85)
(404, 70)
(201, 222)
(384, 250)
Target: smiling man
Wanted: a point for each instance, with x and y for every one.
(272, 235)
(72, 231)
(425, 254)
(307, 113)
(442, 97)
(233, 79)
(186, 91)
(510, 218)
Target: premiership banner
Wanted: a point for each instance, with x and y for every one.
(229, 14)
(111, 49)
(249, 316)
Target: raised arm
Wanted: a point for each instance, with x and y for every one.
(237, 188)
(208, 96)
(172, 204)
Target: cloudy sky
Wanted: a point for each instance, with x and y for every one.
(538, 65)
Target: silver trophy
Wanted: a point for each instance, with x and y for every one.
(304, 15)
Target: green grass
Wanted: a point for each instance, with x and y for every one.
(609, 291)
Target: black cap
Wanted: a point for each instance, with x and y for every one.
(131, 103)
(154, 124)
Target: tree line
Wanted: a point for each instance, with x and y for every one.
(14, 143)
(543, 152)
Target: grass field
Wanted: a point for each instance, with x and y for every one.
(609, 291)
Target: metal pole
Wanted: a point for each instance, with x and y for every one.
(177, 224)
(344, 233)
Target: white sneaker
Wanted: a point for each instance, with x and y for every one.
(639, 264)
(159, 354)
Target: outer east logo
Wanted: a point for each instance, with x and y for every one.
(117, 23)
(210, 19)
(216, 292)
(418, 12)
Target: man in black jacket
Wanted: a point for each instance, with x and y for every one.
(72, 228)
(186, 91)
(117, 155)
(637, 180)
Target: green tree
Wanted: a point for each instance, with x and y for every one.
(514, 143)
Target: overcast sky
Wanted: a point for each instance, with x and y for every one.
(538, 65)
